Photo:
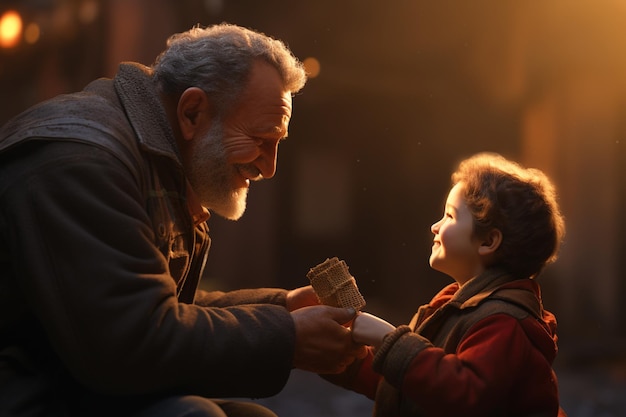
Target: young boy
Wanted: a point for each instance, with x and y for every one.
(484, 345)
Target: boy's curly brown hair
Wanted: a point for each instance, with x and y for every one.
(521, 203)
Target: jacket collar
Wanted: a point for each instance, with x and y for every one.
(477, 289)
(139, 97)
(136, 91)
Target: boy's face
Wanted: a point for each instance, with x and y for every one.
(455, 249)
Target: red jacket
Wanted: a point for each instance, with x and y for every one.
(485, 349)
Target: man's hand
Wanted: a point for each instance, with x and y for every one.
(323, 344)
(302, 297)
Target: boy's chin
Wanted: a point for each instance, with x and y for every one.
(436, 266)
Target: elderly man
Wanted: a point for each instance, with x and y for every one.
(104, 198)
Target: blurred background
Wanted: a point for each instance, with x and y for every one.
(399, 92)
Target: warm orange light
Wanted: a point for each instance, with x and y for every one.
(10, 29)
(88, 11)
(32, 33)
(312, 67)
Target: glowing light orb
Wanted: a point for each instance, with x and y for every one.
(312, 67)
(32, 33)
(10, 29)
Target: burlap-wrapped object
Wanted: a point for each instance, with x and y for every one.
(334, 285)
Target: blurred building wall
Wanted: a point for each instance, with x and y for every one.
(405, 91)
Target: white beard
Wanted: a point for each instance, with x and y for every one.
(211, 176)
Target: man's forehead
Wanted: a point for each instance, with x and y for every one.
(273, 128)
(277, 115)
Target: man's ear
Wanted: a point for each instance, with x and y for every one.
(491, 242)
(194, 112)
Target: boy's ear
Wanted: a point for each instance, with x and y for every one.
(491, 242)
(194, 112)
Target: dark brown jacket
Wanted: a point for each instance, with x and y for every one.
(101, 250)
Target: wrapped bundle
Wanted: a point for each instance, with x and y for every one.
(334, 285)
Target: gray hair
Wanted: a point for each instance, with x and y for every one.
(218, 59)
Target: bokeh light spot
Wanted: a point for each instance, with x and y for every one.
(10, 29)
(32, 33)
(88, 11)
(312, 67)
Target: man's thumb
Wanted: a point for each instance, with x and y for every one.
(343, 315)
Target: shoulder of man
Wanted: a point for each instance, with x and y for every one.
(93, 116)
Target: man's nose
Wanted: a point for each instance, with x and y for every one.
(266, 162)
